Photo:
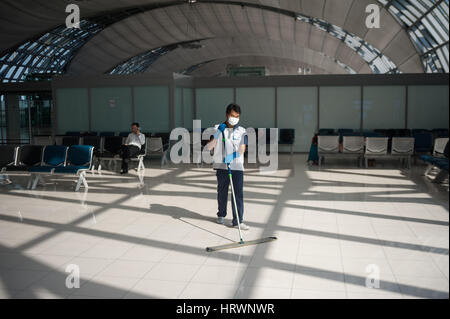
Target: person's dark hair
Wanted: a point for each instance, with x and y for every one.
(135, 123)
(233, 107)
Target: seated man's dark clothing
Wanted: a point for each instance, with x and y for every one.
(131, 148)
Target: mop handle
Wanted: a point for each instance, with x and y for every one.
(234, 201)
(232, 193)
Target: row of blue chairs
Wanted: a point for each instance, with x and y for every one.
(105, 147)
(108, 133)
(47, 160)
(77, 133)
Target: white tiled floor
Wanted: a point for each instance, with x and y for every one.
(336, 227)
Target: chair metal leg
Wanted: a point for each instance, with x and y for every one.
(367, 162)
(440, 177)
(428, 169)
(86, 186)
(5, 177)
(36, 180)
(164, 159)
(77, 187)
(141, 164)
(30, 179)
(81, 179)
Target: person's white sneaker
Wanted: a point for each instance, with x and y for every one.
(220, 220)
(243, 226)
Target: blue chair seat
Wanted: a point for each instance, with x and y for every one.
(430, 159)
(441, 162)
(422, 149)
(18, 168)
(41, 169)
(70, 169)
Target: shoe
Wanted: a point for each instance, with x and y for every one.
(220, 220)
(124, 172)
(243, 226)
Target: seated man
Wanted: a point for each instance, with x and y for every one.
(132, 146)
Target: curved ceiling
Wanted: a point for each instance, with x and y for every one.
(124, 32)
(426, 22)
(221, 48)
(161, 27)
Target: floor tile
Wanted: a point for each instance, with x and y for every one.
(335, 227)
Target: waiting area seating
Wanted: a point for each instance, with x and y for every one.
(287, 137)
(47, 160)
(439, 146)
(7, 157)
(401, 148)
(360, 147)
(106, 145)
(402, 144)
(329, 146)
(112, 155)
(439, 162)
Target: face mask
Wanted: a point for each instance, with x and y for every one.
(233, 120)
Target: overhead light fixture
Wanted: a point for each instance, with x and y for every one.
(304, 71)
(192, 45)
(192, 1)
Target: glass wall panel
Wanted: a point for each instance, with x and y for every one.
(2, 119)
(73, 110)
(297, 109)
(384, 107)
(212, 104)
(111, 109)
(428, 106)
(188, 103)
(258, 107)
(179, 107)
(151, 105)
(340, 107)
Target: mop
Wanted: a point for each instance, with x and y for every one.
(241, 242)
